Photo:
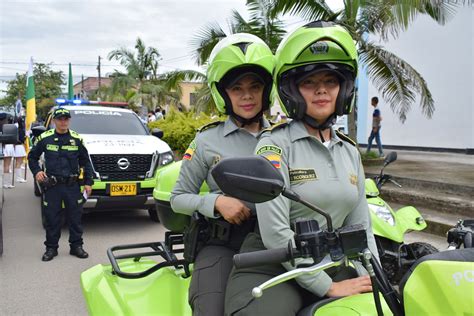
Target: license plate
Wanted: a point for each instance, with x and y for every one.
(117, 189)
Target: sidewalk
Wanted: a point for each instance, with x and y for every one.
(440, 185)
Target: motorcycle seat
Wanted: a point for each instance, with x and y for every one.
(464, 255)
(311, 309)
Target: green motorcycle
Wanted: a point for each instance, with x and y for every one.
(133, 284)
(389, 228)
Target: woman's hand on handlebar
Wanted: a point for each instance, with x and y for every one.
(232, 209)
(350, 287)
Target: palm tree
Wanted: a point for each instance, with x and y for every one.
(262, 23)
(141, 84)
(399, 83)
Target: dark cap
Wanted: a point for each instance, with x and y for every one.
(61, 112)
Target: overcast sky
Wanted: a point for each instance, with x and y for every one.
(78, 31)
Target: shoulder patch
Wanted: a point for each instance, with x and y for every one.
(45, 134)
(188, 155)
(272, 153)
(74, 134)
(345, 138)
(209, 125)
(275, 127)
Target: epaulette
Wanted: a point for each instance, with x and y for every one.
(275, 127)
(45, 134)
(346, 138)
(75, 134)
(209, 126)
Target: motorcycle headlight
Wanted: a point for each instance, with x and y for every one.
(383, 213)
(165, 158)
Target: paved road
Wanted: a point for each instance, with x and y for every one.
(29, 286)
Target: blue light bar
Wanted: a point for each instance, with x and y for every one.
(71, 102)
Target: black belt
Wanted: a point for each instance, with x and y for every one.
(66, 180)
(222, 232)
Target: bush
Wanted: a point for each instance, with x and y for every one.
(179, 128)
(369, 155)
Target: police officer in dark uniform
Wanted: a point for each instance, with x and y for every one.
(64, 155)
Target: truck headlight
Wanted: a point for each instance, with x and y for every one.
(383, 213)
(165, 158)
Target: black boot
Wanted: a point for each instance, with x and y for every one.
(79, 252)
(49, 254)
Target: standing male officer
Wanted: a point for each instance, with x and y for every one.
(64, 153)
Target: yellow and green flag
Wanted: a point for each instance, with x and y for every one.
(30, 97)
(30, 102)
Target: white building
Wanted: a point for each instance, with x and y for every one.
(444, 56)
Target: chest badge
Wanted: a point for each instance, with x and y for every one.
(302, 175)
(353, 179)
(73, 142)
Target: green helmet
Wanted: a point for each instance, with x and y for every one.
(233, 57)
(317, 46)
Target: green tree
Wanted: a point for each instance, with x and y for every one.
(399, 83)
(263, 23)
(47, 88)
(141, 84)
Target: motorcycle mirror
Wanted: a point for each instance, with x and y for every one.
(252, 179)
(391, 157)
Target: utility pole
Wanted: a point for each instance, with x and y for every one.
(82, 87)
(98, 69)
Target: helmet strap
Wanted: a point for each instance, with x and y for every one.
(244, 121)
(330, 121)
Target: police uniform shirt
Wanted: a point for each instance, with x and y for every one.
(214, 142)
(63, 155)
(330, 177)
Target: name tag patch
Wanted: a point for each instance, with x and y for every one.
(52, 147)
(301, 175)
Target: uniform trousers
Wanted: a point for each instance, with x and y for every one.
(284, 299)
(52, 204)
(212, 268)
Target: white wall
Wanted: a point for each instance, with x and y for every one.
(444, 56)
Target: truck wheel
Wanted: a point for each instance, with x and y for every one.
(36, 188)
(153, 213)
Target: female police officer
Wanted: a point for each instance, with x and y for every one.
(240, 78)
(315, 71)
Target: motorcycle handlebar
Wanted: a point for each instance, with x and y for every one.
(261, 257)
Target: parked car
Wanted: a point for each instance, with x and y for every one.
(125, 156)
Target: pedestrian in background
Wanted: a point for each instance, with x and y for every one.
(158, 114)
(64, 155)
(151, 116)
(376, 125)
(277, 118)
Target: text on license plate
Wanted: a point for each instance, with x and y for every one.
(123, 189)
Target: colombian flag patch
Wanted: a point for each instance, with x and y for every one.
(188, 155)
(275, 160)
(272, 153)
